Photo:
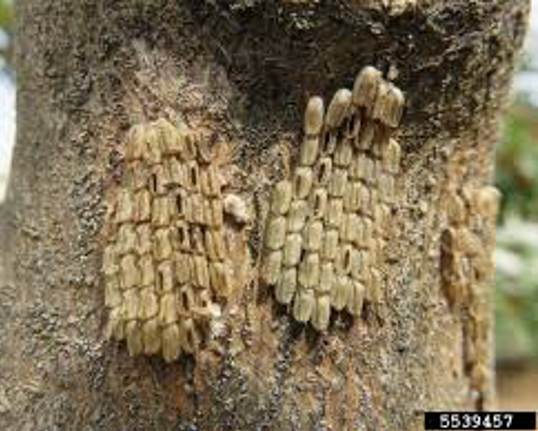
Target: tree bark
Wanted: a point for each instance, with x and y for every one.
(89, 70)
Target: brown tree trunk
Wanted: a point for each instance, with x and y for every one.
(244, 70)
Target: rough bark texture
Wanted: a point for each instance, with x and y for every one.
(87, 70)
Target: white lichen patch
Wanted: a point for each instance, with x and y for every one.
(236, 207)
(328, 221)
(165, 261)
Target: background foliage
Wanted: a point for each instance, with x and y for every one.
(6, 29)
(517, 238)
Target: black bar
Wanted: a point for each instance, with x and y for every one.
(480, 421)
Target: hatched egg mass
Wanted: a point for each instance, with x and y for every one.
(328, 221)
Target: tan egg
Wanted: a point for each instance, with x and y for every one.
(182, 236)
(161, 213)
(272, 267)
(387, 188)
(136, 143)
(115, 328)
(487, 200)
(375, 289)
(322, 313)
(287, 286)
(324, 171)
(197, 213)
(313, 118)
(129, 272)
(171, 347)
(127, 239)
(168, 309)
(338, 108)
(367, 199)
(392, 107)
(328, 143)
(220, 279)
(110, 261)
(309, 270)
(182, 268)
(144, 241)
(162, 245)
(181, 204)
(125, 209)
(215, 244)
(217, 213)
(189, 336)
(338, 183)
(204, 151)
(366, 136)
(309, 150)
(303, 305)
(344, 260)
(343, 154)
(348, 227)
(340, 292)
(213, 184)
(186, 299)
(131, 304)
(161, 180)
(456, 208)
(469, 243)
(134, 338)
(113, 296)
(318, 203)
(172, 141)
(166, 281)
(330, 246)
(326, 279)
(293, 248)
(313, 236)
(282, 198)
(137, 176)
(201, 272)
(275, 233)
(335, 212)
(297, 216)
(359, 264)
(392, 154)
(151, 337)
(149, 303)
(356, 298)
(366, 87)
(193, 176)
(142, 206)
(362, 168)
(302, 183)
(381, 101)
(147, 270)
(154, 151)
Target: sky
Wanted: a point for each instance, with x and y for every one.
(7, 127)
(533, 34)
(527, 82)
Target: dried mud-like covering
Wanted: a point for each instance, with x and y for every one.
(244, 70)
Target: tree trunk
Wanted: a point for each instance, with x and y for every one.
(242, 72)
